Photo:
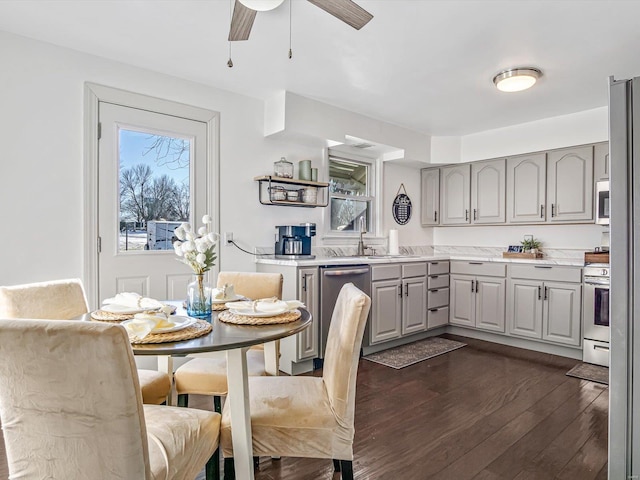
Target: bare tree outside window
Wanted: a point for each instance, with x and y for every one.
(154, 189)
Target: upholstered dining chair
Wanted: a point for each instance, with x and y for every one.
(208, 375)
(310, 416)
(66, 300)
(71, 407)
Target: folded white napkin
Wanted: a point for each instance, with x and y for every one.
(224, 292)
(143, 324)
(266, 305)
(133, 300)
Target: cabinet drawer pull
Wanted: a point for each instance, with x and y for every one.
(542, 266)
(434, 263)
(433, 309)
(600, 347)
(476, 263)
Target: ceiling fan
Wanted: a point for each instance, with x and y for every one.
(244, 13)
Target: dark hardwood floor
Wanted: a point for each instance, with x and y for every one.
(481, 412)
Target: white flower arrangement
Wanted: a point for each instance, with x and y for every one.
(196, 249)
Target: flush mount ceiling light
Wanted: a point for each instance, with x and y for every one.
(261, 5)
(516, 79)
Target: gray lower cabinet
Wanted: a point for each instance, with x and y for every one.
(298, 351)
(437, 294)
(540, 307)
(399, 301)
(477, 295)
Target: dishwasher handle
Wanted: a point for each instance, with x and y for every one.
(350, 271)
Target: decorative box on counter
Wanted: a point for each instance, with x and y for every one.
(527, 255)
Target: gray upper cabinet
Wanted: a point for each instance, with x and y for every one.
(526, 188)
(601, 161)
(488, 192)
(455, 194)
(570, 185)
(430, 196)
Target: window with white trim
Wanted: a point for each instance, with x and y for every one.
(352, 190)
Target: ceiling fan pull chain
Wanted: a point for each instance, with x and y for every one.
(230, 62)
(290, 51)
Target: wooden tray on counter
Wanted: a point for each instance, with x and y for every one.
(530, 256)
(596, 257)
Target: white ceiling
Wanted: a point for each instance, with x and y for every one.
(423, 64)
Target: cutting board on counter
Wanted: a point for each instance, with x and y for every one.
(596, 257)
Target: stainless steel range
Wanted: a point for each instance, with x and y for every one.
(596, 314)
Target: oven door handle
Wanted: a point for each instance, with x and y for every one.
(601, 284)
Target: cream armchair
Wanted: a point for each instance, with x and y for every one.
(65, 300)
(208, 375)
(71, 408)
(310, 416)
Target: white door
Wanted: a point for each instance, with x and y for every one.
(152, 174)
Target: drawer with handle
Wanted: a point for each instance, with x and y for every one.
(438, 298)
(438, 281)
(490, 269)
(438, 267)
(436, 317)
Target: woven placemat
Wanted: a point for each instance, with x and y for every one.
(102, 316)
(197, 329)
(286, 317)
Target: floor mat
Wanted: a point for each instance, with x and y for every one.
(405, 355)
(593, 373)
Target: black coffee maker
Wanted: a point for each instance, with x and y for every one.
(294, 241)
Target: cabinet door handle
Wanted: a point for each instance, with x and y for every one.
(539, 292)
(406, 289)
(545, 293)
(435, 216)
(553, 214)
(466, 215)
(304, 282)
(472, 290)
(541, 211)
(475, 214)
(400, 291)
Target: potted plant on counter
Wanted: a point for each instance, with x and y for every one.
(531, 245)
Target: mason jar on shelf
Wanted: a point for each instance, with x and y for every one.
(283, 168)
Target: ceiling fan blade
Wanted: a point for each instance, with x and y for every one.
(346, 10)
(241, 22)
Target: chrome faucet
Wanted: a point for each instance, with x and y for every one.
(361, 246)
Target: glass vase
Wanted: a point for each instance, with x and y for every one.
(199, 298)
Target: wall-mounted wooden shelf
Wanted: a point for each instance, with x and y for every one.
(266, 182)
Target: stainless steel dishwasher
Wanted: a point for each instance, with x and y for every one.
(332, 278)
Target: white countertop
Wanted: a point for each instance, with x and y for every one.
(271, 260)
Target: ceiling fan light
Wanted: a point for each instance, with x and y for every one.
(516, 79)
(261, 5)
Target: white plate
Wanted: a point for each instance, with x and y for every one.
(249, 313)
(178, 324)
(235, 298)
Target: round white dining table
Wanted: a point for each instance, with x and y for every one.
(235, 340)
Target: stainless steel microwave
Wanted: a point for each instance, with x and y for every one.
(602, 202)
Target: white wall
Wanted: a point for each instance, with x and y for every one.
(590, 126)
(412, 233)
(41, 120)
